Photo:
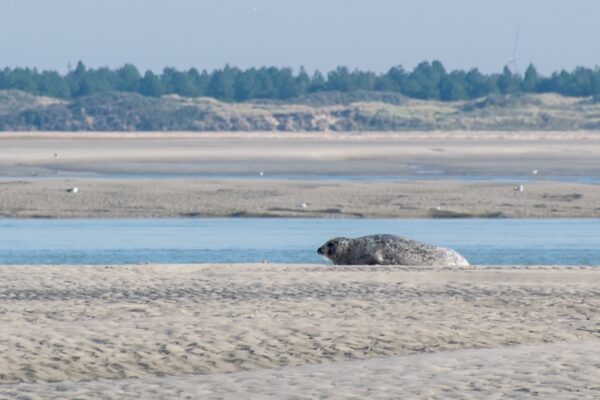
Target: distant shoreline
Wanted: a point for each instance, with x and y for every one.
(130, 112)
(442, 135)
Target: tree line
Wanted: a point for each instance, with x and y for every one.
(427, 81)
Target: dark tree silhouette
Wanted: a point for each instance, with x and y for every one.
(427, 81)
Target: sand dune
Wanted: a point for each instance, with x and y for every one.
(184, 329)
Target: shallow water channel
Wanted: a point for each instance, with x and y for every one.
(241, 240)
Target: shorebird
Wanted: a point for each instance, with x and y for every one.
(55, 155)
(519, 188)
(304, 205)
(72, 190)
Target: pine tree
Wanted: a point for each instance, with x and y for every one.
(150, 85)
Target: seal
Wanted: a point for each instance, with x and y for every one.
(388, 250)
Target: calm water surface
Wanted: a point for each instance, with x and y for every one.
(426, 175)
(102, 241)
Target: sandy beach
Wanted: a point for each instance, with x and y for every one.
(298, 331)
(408, 175)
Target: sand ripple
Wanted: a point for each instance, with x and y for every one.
(73, 324)
(557, 371)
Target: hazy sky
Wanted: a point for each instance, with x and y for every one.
(319, 34)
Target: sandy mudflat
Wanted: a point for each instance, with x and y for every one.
(370, 154)
(281, 198)
(298, 331)
(125, 175)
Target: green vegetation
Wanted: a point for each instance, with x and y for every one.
(332, 111)
(427, 81)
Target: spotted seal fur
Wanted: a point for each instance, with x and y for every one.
(388, 250)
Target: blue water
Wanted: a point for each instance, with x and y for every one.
(424, 175)
(102, 241)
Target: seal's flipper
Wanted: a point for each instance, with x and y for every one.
(376, 259)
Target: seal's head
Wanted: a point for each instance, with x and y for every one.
(333, 249)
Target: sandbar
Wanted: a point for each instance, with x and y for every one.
(298, 331)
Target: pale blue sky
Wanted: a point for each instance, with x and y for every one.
(319, 34)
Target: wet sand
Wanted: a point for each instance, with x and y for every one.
(182, 174)
(399, 155)
(298, 331)
(177, 198)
